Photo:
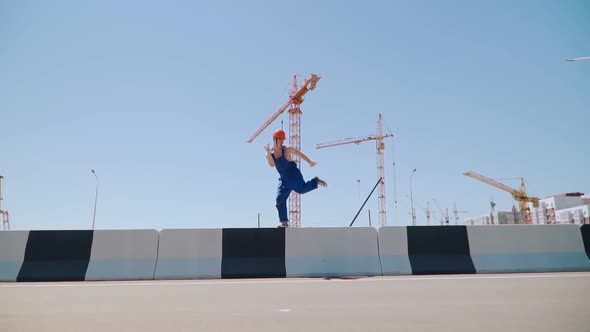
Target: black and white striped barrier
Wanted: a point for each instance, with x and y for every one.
(81, 255)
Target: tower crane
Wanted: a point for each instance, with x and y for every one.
(440, 210)
(426, 211)
(456, 212)
(519, 195)
(293, 103)
(492, 210)
(3, 214)
(378, 137)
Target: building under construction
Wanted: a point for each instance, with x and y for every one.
(569, 208)
(496, 218)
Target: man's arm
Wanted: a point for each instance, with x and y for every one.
(301, 155)
(269, 159)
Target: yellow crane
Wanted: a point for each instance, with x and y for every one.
(519, 195)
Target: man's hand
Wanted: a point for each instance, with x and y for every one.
(269, 158)
(312, 163)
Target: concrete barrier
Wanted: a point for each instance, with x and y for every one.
(56, 255)
(393, 250)
(189, 254)
(527, 248)
(439, 250)
(253, 253)
(585, 229)
(332, 252)
(12, 253)
(123, 255)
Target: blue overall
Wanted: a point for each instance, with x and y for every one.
(291, 180)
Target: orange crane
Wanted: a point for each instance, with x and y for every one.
(3, 214)
(293, 103)
(519, 195)
(380, 161)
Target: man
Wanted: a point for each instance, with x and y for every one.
(291, 179)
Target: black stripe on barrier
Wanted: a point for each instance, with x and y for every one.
(585, 229)
(56, 256)
(439, 250)
(253, 253)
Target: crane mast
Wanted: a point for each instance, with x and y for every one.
(381, 172)
(440, 210)
(295, 141)
(293, 103)
(3, 214)
(380, 145)
(456, 213)
(492, 210)
(427, 211)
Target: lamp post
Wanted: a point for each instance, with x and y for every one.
(578, 59)
(95, 199)
(412, 199)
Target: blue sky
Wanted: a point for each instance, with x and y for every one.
(160, 97)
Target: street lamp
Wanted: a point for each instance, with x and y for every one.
(578, 59)
(412, 199)
(95, 199)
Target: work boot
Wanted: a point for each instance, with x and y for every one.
(283, 224)
(322, 183)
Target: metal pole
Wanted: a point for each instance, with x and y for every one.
(3, 214)
(412, 199)
(259, 219)
(1, 177)
(95, 199)
(371, 193)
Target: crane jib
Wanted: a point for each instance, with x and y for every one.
(296, 98)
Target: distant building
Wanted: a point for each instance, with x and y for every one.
(569, 208)
(497, 218)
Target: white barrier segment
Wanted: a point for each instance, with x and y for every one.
(393, 250)
(123, 255)
(331, 252)
(527, 248)
(189, 254)
(12, 253)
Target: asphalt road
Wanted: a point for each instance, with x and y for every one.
(511, 302)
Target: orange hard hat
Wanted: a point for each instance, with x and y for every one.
(279, 133)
